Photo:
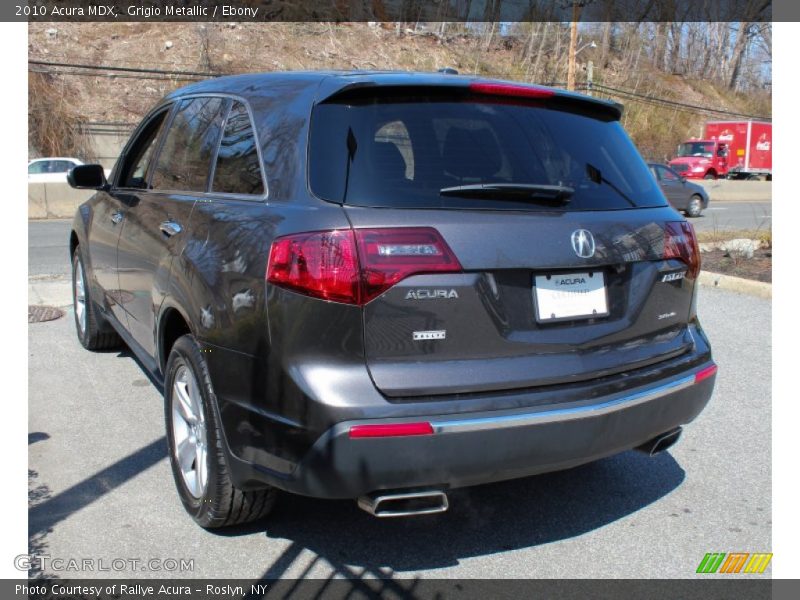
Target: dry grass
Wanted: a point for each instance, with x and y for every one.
(53, 126)
(762, 235)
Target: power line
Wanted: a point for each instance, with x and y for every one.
(113, 75)
(672, 103)
(122, 69)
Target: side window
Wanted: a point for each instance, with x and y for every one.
(238, 170)
(185, 157)
(134, 169)
(668, 175)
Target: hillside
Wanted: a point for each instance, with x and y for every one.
(69, 96)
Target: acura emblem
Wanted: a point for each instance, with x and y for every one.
(583, 243)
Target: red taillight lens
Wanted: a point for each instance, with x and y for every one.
(323, 264)
(390, 255)
(681, 243)
(705, 373)
(356, 266)
(391, 430)
(508, 89)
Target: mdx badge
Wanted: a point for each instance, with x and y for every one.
(430, 294)
(583, 243)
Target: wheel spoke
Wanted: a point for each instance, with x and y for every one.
(184, 402)
(187, 451)
(188, 431)
(200, 466)
(194, 398)
(80, 297)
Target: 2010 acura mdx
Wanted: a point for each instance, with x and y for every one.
(384, 286)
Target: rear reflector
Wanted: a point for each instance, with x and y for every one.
(390, 430)
(703, 374)
(507, 89)
(681, 243)
(355, 266)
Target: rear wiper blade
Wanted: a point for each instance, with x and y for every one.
(596, 176)
(523, 192)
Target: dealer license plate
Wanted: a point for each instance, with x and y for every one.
(570, 296)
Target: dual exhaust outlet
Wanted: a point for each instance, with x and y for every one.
(430, 502)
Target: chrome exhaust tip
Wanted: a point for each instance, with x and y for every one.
(407, 504)
(662, 442)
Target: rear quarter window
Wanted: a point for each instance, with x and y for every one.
(238, 168)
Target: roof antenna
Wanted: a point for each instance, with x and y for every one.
(447, 71)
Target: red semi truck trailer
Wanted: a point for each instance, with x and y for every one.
(732, 149)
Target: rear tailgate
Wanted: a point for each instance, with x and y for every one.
(522, 184)
(484, 321)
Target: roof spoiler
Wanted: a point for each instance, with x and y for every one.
(478, 87)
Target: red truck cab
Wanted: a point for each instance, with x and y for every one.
(701, 159)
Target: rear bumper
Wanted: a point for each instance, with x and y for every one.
(471, 449)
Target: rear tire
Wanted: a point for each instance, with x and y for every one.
(93, 331)
(695, 207)
(710, 176)
(196, 451)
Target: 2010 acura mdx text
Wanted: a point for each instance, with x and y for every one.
(382, 286)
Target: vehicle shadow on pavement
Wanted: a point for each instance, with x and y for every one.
(43, 516)
(482, 520)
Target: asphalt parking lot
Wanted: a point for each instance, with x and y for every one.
(100, 487)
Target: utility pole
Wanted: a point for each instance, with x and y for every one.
(573, 45)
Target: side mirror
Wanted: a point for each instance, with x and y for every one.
(87, 177)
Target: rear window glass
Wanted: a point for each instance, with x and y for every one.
(238, 169)
(402, 152)
(185, 158)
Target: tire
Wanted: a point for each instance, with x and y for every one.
(193, 430)
(94, 333)
(695, 206)
(710, 176)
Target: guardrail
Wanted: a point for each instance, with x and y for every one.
(54, 200)
(726, 190)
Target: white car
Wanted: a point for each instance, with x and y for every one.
(44, 170)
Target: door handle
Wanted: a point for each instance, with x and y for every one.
(170, 228)
(117, 217)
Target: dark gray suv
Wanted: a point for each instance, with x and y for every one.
(381, 286)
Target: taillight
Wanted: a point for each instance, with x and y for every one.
(509, 89)
(323, 264)
(681, 243)
(390, 255)
(355, 266)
